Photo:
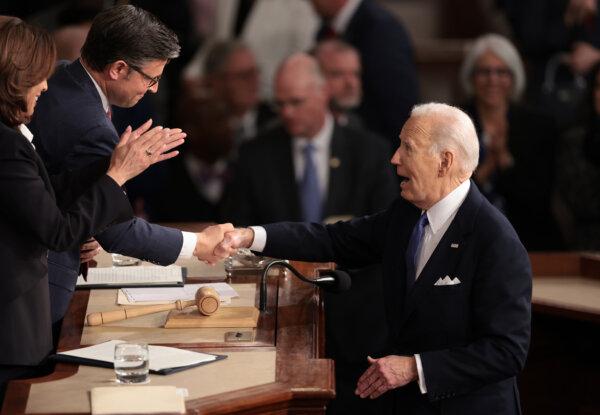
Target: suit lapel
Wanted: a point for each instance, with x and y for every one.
(340, 174)
(283, 167)
(445, 258)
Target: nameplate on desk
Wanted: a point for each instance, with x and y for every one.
(133, 276)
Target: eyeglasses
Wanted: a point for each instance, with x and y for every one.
(152, 80)
(487, 72)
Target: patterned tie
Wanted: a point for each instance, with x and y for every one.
(413, 249)
(310, 194)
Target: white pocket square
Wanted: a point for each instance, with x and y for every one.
(447, 281)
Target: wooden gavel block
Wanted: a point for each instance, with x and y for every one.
(207, 300)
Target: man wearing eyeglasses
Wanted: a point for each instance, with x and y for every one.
(122, 59)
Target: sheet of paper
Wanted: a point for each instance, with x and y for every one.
(137, 400)
(160, 357)
(187, 292)
(132, 275)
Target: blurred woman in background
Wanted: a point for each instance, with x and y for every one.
(516, 166)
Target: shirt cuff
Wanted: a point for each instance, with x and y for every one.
(421, 375)
(260, 238)
(189, 245)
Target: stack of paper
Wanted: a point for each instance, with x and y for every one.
(172, 275)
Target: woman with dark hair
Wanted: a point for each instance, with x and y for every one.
(38, 213)
(517, 144)
(579, 179)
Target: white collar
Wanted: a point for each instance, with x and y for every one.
(103, 98)
(439, 213)
(26, 132)
(322, 139)
(341, 20)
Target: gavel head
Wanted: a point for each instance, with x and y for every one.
(207, 300)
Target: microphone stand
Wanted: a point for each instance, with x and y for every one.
(262, 304)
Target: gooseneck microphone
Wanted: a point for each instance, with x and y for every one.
(332, 280)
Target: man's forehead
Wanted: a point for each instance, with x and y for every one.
(415, 128)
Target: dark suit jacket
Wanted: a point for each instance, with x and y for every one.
(472, 337)
(390, 84)
(71, 131)
(264, 187)
(30, 223)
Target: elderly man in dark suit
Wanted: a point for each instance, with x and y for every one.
(389, 74)
(123, 57)
(457, 279)
(309, 167)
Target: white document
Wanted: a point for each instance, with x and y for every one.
(160, 357)
(137, 400)
(187, 292)
(142, 275)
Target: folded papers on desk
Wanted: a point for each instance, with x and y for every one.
(162, 360)
(170, 294)
(137, 400)
(133, 276)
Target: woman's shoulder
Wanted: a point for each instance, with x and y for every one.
(12, 141)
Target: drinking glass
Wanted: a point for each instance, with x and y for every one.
(132, 363)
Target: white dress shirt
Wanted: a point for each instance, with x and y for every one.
(342, 19)
(322, 150)
(189, 238)
(440, 216)
(26, 133)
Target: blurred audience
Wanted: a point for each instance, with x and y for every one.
(341, 66)
(389, 74)
(231, 76)
(579, 178)
(219, 114)
(516, 170)
(310, 167)
(272, 29)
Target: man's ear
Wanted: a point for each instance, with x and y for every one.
(446, 162)
(117, 70)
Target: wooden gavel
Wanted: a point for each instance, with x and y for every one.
(207, 300)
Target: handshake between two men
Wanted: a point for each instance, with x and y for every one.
(217, 242)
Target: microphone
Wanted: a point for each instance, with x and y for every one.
(333, 280)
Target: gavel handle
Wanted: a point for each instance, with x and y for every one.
(96, 319)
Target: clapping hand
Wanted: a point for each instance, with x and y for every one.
(139, 149)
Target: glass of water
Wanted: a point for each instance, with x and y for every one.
(119, 260)
(132, 363)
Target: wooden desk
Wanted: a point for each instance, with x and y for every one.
(562, 373)
(293, 325)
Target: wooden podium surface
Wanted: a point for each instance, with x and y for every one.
(293, 326)
(562, 372)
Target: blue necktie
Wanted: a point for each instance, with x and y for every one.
(310, 194)
(413, 249)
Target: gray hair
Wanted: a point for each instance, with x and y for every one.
(218, 54)
(451, 129)
(503, 49)
(128, 33)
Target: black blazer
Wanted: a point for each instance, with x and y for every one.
(30, 224)
(472, 337)
(264, 187)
